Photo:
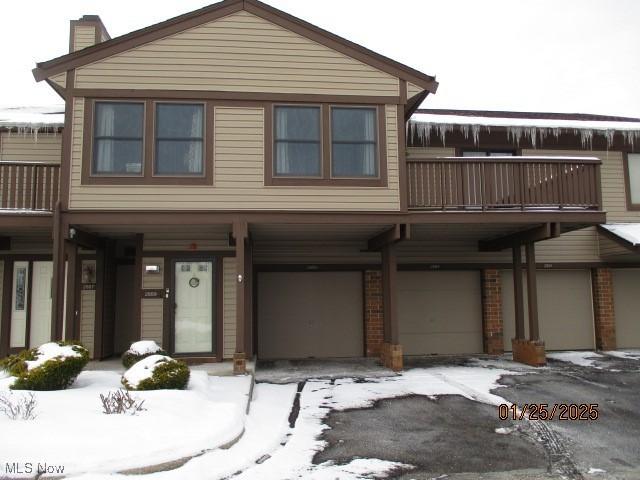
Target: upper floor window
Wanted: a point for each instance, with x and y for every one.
(633, 179)
(179, 139)
(118, 138)
(297, 141)
(353, 142)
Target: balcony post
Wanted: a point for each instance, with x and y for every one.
(57, 285)
(532, 292)
(517, 291)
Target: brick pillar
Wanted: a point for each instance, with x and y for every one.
(373, 312)
(492, 339)
(603, 313)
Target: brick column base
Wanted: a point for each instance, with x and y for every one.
(603, 312)
(492, 328)
(391, 356)
(239, 364)
(529, 352)
(373, 312)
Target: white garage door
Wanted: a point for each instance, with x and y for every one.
(440, 312)
(310, 314)
(565, 311)
(626, 305)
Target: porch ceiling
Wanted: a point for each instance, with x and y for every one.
(310, 232)
(463, 231)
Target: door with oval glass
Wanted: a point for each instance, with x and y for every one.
(193, 307)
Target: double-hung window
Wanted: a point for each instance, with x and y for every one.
(118, 140)
(179, 139)
(297, 141)
(633, 180)
(353, 142)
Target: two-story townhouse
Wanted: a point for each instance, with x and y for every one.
(236, 182)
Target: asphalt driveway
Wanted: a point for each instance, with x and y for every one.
(452, 437)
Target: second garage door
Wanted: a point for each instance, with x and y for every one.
(440, 312)
(565, 313)
(310, 314)
(626, 305)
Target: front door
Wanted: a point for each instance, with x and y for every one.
(193, 319)
(40, 318)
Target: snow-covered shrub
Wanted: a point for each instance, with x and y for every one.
(18, 408)
(52, 366)
(120, 401)
(157, 372)
(139, 350)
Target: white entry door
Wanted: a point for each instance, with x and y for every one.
(40, 320)
(19, 305)
(194, 307)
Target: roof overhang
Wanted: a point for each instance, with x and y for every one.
(626, 235)
(174, 25)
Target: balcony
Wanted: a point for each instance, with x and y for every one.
(504, 184)
(29, 186)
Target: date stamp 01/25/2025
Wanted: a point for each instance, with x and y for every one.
(544, 411)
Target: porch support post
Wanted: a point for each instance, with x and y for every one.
(248, 300)
(240, 233)
(137, 313)
(57, 284)
(532, 292)
(391, 349)
(70, 303)
(517, 291)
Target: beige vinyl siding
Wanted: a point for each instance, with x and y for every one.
(152, 319)
(228, 307)
(60, 79)
(413, 90)
(181, 241)
(18, 147)
(153, 280)
(238, 176)
(429, 152)
(240, 52)
(87, 319)
(609, 248)
(84, 36)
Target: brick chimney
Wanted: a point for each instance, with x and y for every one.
(86, 31)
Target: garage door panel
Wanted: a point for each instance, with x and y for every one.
(310, 314)
(565, 311)
(626, 305)
(440, 312)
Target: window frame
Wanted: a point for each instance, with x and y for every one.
(376, 141)
(148, 175)
(320, 140)
(327, 179)
(627, 182)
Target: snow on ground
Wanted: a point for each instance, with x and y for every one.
(71, 429)
(583, 359)
(627, 354)
(288, 453)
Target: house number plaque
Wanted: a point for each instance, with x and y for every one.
(194, 282)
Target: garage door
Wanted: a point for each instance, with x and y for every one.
(626, 304)
(565, 312)
(310, 314)
(440, 312)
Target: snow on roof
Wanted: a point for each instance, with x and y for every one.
(533, 129)
(32, 118)
(627, 231)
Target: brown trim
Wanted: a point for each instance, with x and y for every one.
(627, 183)
(222, 95)
(57, 289)
(5, 319)
(248, 299)
(402, 159)
(240, 233)
(147, 176)
(72, 297)
(327, 180)
(98, 321)
(66, 157)
(27, 334)
(227, 7)
(532, 292)
(535, 234)
(219, 304)
(518, 291)
(137, 312)
(402, 84)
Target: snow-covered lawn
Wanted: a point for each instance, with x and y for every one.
(71, 429)
(270, 450)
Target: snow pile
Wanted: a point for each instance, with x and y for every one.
(144, 369)
(632, 354)
(583, 359)
(32, 119)
(144, 347)
(175, 424)
(423, 125)
(49, 351)
(627, 231)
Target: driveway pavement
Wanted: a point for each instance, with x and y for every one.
(454, 437)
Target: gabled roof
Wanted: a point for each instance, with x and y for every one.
(218, 10)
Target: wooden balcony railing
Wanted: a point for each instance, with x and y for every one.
(498, 183)
(29, 185)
